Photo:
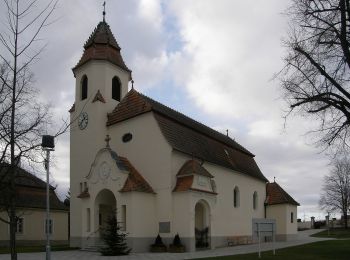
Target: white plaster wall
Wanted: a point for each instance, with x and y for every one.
(182, 214)
(85, 143)
(292, 228)
(100, 74)
(225, 219)
(141, 215)
(281, 212)
(202, 183)
(150, 154)
(278, 212)
(34, 225)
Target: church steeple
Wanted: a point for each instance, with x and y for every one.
(102, 45)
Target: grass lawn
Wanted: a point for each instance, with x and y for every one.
(334, 233)
(31, 249)
(333, 249)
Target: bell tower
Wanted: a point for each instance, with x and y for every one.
(102, 79)
(102, 68)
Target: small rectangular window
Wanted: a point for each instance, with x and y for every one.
(88, 220)
(291, 217)
(19, 226)
(123, 224)
(49, 226)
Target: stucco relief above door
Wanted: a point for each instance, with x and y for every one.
(104, 171)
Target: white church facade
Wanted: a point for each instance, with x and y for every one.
(161, 171)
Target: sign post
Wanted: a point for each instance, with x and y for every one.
(264, 228)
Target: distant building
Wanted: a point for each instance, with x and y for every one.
(161, 171)
(31, 210)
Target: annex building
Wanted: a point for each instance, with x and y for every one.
(30, 195)
(161, 171)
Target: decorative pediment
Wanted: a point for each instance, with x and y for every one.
(107, 166)
(192, 176)
(98, 97)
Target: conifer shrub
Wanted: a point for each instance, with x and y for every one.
(114, 239)
(158, 245)
(177, 246)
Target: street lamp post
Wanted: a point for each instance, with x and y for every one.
(48, 145)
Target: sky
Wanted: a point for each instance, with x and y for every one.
(214, 61)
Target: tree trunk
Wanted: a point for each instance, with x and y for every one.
(345, 219)
(13, 221)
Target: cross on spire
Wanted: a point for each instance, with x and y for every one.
(107, 139)
(104, 10)
(132, 84)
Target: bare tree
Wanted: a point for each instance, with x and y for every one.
(316, 78)
(336, 188)
(22, 117)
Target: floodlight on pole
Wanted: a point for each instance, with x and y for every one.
(48, 145)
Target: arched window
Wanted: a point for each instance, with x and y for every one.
(255, 200)
(236, 197)
(84, 87)
(116, 88)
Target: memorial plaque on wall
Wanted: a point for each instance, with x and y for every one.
(164, 227)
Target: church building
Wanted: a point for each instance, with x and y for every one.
(158, 170)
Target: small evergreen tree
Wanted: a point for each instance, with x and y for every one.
(114, 239)
(158, 241)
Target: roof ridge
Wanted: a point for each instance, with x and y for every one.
(196, 122)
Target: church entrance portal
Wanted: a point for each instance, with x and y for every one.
(105, 205)
(202, 225)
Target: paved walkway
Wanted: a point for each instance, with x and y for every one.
(303, 238)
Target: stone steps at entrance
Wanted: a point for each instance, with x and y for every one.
(93, 248)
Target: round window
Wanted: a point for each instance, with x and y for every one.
(127, 137)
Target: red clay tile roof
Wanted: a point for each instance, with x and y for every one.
(99, 97)
(130, 106)
(276, 195)
(102, 45)
(184, 183)
(189, 136)
(193, 167)
(30, 191)
(84, 194)
(135, 181)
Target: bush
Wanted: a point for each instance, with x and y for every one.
(319, 224)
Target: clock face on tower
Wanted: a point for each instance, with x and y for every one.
(83, 120)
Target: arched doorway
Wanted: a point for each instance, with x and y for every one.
(202, 225)
(105, 206)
